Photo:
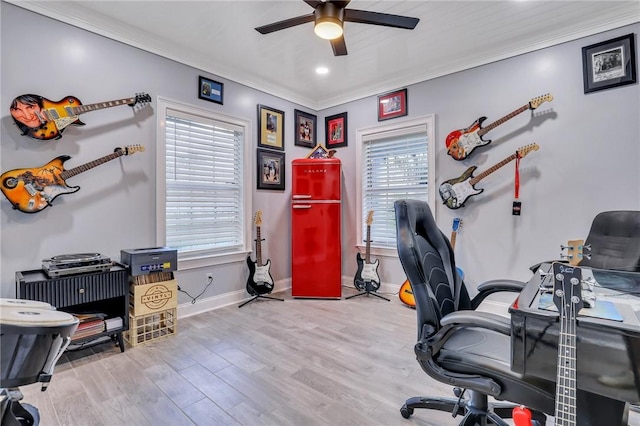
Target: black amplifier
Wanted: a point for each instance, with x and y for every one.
(147, 260)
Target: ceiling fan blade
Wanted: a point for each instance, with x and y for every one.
(313, 3)
(384, 19)
(287, 23)
(340, 4)
(339, 46)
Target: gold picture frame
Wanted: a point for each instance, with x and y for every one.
(270, 128)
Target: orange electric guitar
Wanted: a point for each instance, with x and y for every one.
(32, 190)
(460, 143)
(42, 119)
(406, 294)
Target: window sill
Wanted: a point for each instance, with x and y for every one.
(211, 260)
(378, 251)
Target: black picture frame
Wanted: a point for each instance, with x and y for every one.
(210, 90)
(335, 130)
(609, 64)
(392, 105)
(271, 169)
(306, 129)
(270, 128)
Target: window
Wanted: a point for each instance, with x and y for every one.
(202, 184)
(396, 161)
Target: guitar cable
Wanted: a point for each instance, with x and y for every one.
(193, 299)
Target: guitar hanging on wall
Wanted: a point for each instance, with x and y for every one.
(32, 190)
(461, 143)
(406, 293)
(260, 280)
(42, 119)
(455, 192)
(367, 273)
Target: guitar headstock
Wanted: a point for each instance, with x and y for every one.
(132, 149)
(575, 250)
(457, 223)
(567, 288)
(141, 98)
(523, 151)
(257, 218)
(370, 218)
(536, 102)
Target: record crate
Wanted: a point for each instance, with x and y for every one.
(153, 326)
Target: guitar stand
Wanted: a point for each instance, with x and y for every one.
(259, 296)
(368, 290)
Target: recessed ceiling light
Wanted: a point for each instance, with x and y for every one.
(322, 70)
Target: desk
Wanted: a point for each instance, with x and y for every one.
(608, 350)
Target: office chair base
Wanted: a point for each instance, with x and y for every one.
(493, 413)
(259, 296)
(368, 293)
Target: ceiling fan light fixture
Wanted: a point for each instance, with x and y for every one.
(328, 28)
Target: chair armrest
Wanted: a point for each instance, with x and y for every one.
(463, 319)
(495, 286)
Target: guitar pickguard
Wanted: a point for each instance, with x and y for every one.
(454, 196)
(370, 272)
(262, 275)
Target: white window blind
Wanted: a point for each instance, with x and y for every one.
(395, 165)
(204, 184)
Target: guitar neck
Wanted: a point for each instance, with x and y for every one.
(367, 252)
(102, 105)
(258, 247)
(503, 119)
(492, 169)
(565, 409)
(90, 165)
(453, 239)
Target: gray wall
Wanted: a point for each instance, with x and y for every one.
(588, 161)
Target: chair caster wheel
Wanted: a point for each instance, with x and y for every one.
(406, 411)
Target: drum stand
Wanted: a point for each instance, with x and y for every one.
(12, 413)
(259, 296)
(368, 290)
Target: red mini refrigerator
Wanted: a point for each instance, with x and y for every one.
(316, 265)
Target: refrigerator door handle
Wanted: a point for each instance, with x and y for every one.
(300, 197)
(301, 206)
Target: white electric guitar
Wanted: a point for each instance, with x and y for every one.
(260, 280)
(367, 271)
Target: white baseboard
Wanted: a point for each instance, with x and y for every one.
(239, 296)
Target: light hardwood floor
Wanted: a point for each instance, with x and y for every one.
(298, 362)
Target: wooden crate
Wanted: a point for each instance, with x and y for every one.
(153, 326)
(155, 297)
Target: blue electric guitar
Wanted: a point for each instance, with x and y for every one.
(260, 280)
(367, 272)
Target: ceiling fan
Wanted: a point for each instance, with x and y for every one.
(330, 15)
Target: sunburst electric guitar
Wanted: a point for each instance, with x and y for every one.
(460, 143)
(455, 192)
(32, 190)
(406, 294)
(367, 274)
(53, 117)
(260, 280)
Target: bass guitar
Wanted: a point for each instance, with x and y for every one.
(32, 190)
(367, 273)
(406, 294)
(260, 280)
(455, 192)
(42, 119)
(460, 143)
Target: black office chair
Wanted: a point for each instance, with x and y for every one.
(456, 345)
(614, 239)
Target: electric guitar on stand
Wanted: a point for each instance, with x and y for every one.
(367, 279)
(455, 192)
(406, 294)
(460, 143)
(42, 119)
(260, 281)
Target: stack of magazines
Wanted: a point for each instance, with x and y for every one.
(90, 325)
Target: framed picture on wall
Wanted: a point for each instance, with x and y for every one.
(270, 128)
(608, 64)
(305, 129)
(335, 130)
(392, 105)
(210, 90)
(271, 169)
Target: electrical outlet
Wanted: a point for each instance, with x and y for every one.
(209, 277)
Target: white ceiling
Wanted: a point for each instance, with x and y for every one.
(218, 37)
